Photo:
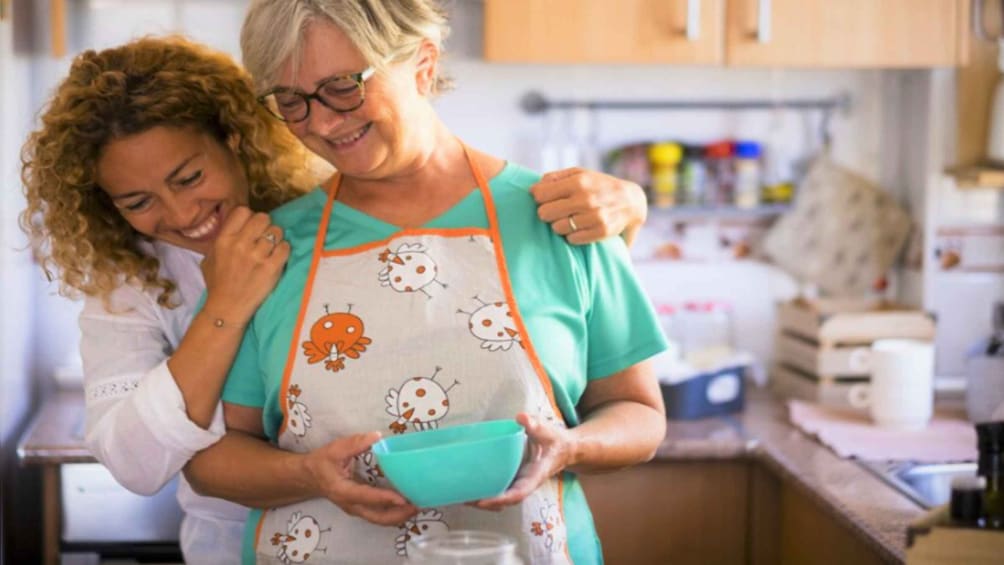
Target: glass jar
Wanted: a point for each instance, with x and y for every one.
(692, 176)
(721, 174)
(465, 547)
(664, 158)
(748, 174)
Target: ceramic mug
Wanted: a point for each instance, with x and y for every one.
(901, 392)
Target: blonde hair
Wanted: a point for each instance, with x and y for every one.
(380, 29)
(74, 228)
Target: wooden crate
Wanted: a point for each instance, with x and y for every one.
(826, 362)
(830, 323)
(788, 382)
(822, 347)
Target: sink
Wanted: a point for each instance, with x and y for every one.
(927, 484)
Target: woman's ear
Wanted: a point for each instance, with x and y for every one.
(426, 64)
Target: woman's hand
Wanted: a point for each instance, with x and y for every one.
(331, 470)
(244, 265)
(587, 206)
(550, 449)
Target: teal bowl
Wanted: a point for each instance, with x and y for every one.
(453, 465)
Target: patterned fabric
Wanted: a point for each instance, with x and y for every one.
(580, 305)
(843, 234)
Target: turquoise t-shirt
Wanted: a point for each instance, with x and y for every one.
(584, 310)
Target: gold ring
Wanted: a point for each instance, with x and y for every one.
(571, 223)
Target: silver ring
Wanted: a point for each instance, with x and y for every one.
(571, 223)
(270, 237)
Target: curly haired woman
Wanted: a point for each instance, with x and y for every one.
(147, 184)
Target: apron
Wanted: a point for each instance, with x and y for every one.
(415, 332)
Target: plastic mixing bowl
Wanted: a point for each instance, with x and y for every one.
(453, 465)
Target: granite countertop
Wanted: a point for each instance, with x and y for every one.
(762, 432)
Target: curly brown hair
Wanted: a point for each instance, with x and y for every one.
(74, 228)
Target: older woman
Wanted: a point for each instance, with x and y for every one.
(423, 291)
(149, 161)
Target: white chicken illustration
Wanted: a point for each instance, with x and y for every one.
(426, 524)
(299, 416)
(367, 468)
(493, 324)
(421, 401)
(409, 269)
(302, 537)
(549, 527)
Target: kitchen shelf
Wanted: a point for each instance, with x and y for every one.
(690, 212)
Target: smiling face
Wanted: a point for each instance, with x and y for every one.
(173, 184)
(370, 141)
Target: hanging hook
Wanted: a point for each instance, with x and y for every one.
(979, 27)
(824, 129)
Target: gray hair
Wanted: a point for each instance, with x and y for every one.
(273, 31)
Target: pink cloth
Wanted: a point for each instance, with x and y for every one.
(852, 434)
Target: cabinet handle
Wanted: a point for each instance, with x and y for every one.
(693, 20)
(979, 27)
(763, 12)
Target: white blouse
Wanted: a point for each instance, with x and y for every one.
(137, 425)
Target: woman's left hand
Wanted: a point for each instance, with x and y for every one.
(587, 206)
(549, 451)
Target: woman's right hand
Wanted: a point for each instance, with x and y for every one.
(243, 265)
(331, 469)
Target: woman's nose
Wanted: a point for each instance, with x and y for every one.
(181, 213)
(323, 120)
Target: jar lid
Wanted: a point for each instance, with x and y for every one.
(665, 153)
(719, 150)
(748, 150)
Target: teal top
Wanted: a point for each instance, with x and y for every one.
(586, 314)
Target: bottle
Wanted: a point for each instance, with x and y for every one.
(693, 174)
(465, 547)
(990, 442)
(664, 158)
(748, 175)
(721, 175)
(966, 506)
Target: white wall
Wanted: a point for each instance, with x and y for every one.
(17, 272)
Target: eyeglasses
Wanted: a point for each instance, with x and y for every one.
(342, 93)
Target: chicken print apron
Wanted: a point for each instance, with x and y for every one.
(415, 332)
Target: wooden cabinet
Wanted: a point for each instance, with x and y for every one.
(848, 33)
(716, 511)
(777, 33)
(604, 31)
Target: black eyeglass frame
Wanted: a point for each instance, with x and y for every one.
(359, 78)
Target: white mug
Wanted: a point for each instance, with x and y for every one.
(901, 392)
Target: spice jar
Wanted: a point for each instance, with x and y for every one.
(664, 158)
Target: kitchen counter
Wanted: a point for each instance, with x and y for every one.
(56, 434)
(877, 513)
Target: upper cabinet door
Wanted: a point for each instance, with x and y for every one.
(847, 33)
(604, 31)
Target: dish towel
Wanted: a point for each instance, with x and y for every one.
(852, 434)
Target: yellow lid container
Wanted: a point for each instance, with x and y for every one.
(665, 153)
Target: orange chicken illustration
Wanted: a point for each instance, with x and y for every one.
(334, 337)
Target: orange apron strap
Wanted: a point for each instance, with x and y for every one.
(493, 224)
(322, 232)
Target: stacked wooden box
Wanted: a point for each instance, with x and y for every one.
(822, 347)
